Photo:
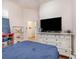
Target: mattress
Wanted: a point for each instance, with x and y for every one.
(30, 50)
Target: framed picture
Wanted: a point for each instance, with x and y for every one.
(18, 32)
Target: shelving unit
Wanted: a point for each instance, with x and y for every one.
(7, 39)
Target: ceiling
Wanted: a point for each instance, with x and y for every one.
(30, 3)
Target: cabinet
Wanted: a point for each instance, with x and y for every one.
(61, 40)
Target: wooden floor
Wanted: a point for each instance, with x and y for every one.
(63, 57)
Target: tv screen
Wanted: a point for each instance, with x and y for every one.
(51, 24)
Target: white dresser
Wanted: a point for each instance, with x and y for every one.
(63, 41)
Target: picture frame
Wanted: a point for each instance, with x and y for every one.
(18, 32)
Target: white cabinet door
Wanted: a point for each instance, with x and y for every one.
(64, 42)
(64, 52)
(68, 42)
(41, 38)
(50, 39)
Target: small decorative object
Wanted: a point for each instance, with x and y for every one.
(68, 31)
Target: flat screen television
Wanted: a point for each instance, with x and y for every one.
(51, 24)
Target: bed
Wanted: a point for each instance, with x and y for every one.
(30, 50)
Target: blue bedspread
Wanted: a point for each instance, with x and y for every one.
(30, 50)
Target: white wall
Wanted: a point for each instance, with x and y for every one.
(56, 8)
(14, 13)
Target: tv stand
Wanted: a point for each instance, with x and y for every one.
(63, 41)
(59, 33)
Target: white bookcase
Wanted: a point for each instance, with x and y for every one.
(61, 40)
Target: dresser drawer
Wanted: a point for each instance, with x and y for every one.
(67, 37)
(64, 45)
(64, 52)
